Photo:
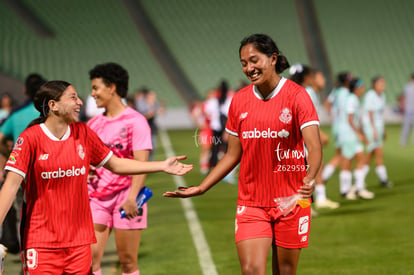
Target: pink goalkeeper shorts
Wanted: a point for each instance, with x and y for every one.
(105, 210)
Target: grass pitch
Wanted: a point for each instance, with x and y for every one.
(360, 237)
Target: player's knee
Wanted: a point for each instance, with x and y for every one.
(251, 269)
(287, 269)
(128, 263)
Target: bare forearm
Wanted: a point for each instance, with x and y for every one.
(314, 162)
(313, 144)
(138, 180)
(8, 193)
(123, 166)
(224, 166)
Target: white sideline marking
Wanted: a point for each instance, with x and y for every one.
(203, 250)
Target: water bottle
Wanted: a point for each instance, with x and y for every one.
(3, 253)
(144, 195)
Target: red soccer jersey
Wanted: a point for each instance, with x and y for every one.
(56, 212)
(273, 160)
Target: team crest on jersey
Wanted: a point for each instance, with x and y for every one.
(81, 153)
(18, 143)
(285, 115)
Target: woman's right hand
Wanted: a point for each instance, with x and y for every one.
(184, 192)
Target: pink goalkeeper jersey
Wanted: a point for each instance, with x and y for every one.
(273, 160)
(56, 212)
(123, 134)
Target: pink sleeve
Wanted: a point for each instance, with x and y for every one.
(98, 151)
(141, 137)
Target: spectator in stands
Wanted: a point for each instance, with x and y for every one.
(128, 135)
(268, 121)
(147, 104)
(6, 106)
(314, 82)
(18, 120)
(408, 110)
(374, 128)
(334, 104)
(352, 146)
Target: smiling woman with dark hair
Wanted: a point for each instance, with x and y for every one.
(268, 123)
(51, 160)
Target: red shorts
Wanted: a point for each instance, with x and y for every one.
(71, 260)
(291, 231)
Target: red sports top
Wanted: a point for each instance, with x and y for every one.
(273, 162)
(56, 212)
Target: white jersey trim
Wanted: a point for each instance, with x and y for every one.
(105, 159)
(275, 91)
(17, 171)
(231, 132)
(53, 137)
(309, 123)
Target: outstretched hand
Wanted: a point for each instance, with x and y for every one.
(174, 167)
(184, 192)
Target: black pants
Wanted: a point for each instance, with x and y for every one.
(217, 144)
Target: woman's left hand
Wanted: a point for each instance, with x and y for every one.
(131, 208)
(306, 190)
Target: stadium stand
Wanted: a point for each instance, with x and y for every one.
(367, 38)
(370, 38)
(87, 33)
(205, 36)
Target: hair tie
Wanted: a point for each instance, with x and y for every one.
(295, 69)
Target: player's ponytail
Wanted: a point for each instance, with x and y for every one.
(282, 63)
(51, 90)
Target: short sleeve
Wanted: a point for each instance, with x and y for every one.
(352, 105)
(20, 156)
(141, 134)
(305, 110)
(232, 124)
(99, 153)
(331, 97)
(369, 102)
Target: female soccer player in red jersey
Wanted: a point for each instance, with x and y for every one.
(268, 122)
(51, 160)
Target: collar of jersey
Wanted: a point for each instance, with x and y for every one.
(51, 136)
(275, 91)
